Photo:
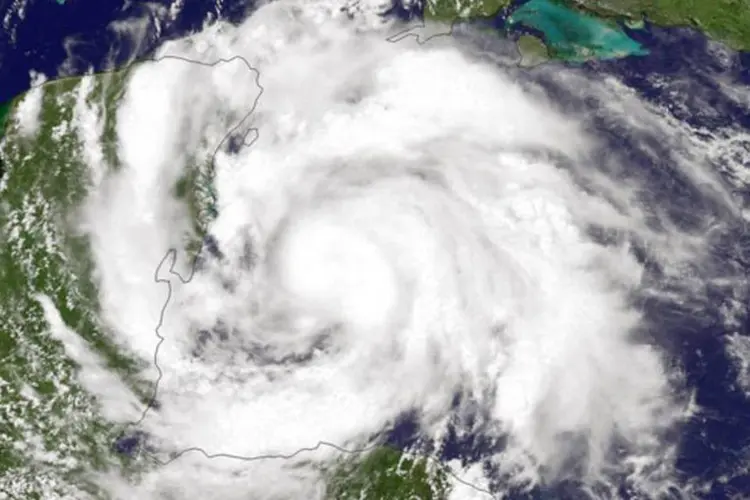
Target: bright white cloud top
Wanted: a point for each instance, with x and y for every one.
(411, 232)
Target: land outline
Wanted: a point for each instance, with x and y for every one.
(171, 256)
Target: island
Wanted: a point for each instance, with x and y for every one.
(580, 30)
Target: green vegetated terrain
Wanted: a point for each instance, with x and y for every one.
(450, 10)
(4, 111)
(388, 474)
(577, 30)
(726, 21)
(533, 51)
(53, 431)
(572, 35)
(51, 426)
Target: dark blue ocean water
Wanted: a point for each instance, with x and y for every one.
(37, 42)
(716, 443)
(681, 74)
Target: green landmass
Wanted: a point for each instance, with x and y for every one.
(578, 30)
(533, 50)
(53, 431)
(572, 35)
(43, 180)
(4, 111)
(726, 21)
(387, 474)
(51, 427)
(453, 10)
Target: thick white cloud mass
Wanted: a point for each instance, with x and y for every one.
(29, 108)
(412, 223)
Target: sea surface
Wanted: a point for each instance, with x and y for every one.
(677, 69)
(69, 38)
(703, 85)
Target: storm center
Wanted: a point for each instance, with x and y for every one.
(337, 270)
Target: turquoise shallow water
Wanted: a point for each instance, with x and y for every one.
(572, 35)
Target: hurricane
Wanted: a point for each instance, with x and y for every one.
(396, 229)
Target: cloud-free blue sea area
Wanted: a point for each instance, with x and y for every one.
(77, 32)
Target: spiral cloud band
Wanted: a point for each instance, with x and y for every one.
(407, 229)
